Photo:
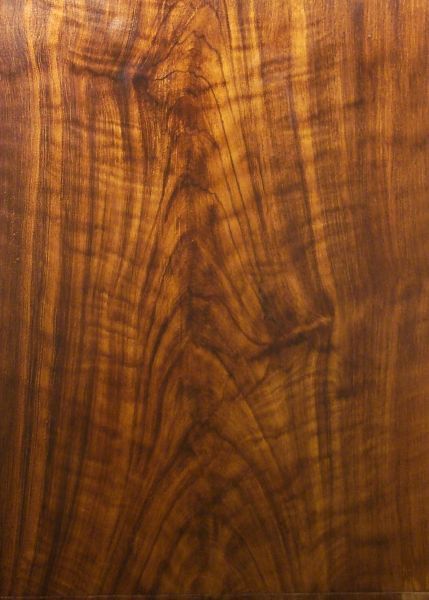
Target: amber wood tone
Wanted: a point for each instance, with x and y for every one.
(214, 298)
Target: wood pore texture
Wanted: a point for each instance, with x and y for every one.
(214, 298)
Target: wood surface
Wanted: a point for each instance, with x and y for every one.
(214, 298)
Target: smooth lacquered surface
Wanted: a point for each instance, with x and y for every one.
(214, 297)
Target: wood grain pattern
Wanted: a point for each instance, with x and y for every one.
(214, 301)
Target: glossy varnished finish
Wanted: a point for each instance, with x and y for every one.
(214, 303)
